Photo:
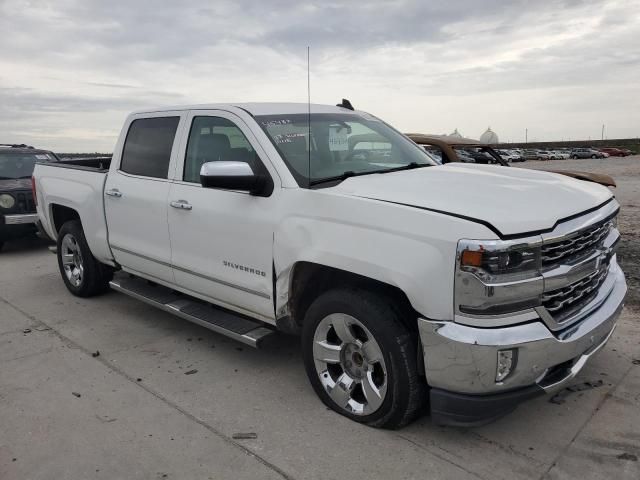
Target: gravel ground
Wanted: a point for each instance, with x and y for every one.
(626, 172)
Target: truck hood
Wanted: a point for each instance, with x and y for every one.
(510, 201)
(15, 184)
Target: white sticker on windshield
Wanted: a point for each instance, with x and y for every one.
(338, 139)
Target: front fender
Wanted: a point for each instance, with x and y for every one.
(408, 248)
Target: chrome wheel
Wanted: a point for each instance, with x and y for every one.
(350, 364)
(72, 260)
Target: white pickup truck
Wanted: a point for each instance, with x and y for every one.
(466, 287)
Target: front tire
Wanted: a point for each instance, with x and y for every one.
(82, 274)
(361, 360)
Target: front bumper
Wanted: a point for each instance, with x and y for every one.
(461, 361)
(17, 225)
(21, 219)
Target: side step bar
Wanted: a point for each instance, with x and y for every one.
(233, 325)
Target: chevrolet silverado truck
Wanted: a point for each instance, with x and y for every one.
(17, 208)
(467, 288)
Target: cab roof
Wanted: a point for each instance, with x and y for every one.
(258, 108)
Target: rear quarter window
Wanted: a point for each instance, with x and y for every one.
(147, 148)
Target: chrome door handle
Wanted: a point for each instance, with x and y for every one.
(181, 204)
(114, 192)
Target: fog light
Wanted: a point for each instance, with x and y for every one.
(506, 363)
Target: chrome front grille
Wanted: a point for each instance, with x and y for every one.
(575, 268)
(563, 302)
(576, 245)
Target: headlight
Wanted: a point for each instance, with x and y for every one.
(510, 261)
(7, 201)
(497, 277)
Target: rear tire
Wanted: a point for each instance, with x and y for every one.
(575, 157)
(82, 274)
(594, 156)
(361, 359)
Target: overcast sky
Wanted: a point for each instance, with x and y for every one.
(70, 70)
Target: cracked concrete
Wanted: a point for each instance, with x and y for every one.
(139, 416)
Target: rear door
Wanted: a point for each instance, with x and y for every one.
(136, 195)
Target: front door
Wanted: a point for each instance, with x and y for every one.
(221, 240)
(136, 198)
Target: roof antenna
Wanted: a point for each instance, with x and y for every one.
(345, 104)
(309, 116)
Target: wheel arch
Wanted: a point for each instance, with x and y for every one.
(309, 280)
(61, 214)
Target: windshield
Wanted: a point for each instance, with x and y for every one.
(342, 145)
(20, 165)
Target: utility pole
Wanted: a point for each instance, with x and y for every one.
(602, 132)
(526, 135)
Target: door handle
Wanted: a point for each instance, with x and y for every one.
(114, 192)
(181, 204)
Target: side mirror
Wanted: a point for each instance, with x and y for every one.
(231, 176)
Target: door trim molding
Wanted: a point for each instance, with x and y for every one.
(191, 272)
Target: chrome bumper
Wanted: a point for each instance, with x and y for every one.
(463, 359)
(22, 219)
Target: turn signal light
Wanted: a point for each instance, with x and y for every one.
(471, 258)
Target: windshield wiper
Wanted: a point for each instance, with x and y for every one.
(337, 178)
(350, 173)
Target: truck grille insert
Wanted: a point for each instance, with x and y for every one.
(564, 302)
(25, 203)
(581, 243)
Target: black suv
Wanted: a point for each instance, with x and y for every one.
(17, 206)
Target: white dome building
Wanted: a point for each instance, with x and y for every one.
(489, 137)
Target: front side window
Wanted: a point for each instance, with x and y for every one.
(20, 165)
(147, 149)
(341, 145)
(214, 139)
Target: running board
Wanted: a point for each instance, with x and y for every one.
(232, 325)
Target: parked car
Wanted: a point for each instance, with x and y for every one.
(17, 208)
(408, 281)
(627, 152)
(613, 152)
(559, 155)
(586, 153)
(510, 155)
(536, 155)
(479, 155)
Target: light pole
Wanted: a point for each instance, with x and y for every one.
(526, 135)
(602, 132)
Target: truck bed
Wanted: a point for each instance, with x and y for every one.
(76, 185)
(84, 163)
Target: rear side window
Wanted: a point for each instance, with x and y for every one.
(147, 149)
